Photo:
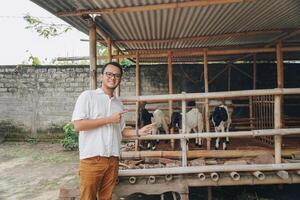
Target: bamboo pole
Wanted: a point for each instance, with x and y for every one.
(259, 175)
(118, 89)
(278, 103)
(183, 140)
(198, 52)
(205, 72)
(209, 169)
(138, 93)
(235, 176)
(201, 176)
(132, 180)
(93, 54)
(214, 176)
(209, 193)
(109, 50)
(170, 79)
(277, 123)
(251, 98)
(238, 134)
(213, 95)
(283, 174)
(205, 154)
(229, 78)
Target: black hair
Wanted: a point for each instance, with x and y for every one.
(114, 64)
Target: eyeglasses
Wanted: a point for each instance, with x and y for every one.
(110, 75)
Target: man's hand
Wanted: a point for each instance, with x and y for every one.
(116, 117)
(146, 129)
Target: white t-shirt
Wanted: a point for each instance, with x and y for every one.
(105, 140)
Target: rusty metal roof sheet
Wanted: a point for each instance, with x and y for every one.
(137, 30)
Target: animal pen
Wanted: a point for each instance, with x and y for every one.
(201, 32)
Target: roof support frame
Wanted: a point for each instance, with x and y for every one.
(185, 4)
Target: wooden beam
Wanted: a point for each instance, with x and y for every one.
(251, 112)
(205, 72)
(93, 54)
(137, 93)
(109, 50)
(175, 5)
(189, 52)
(278, 103)
(279, 58)
(286, 36)
(205, 153)
(212, 95)
(197, 52)
(227, 35)
(118, 89)
(183, 141)
(170, 81)
(209, 168)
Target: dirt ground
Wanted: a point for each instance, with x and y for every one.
(36, 171)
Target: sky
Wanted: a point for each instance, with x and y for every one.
(17, 43)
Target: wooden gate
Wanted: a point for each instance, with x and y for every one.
(263, 113)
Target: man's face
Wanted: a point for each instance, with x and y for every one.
(111, 77)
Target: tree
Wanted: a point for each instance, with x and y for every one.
(45, 30)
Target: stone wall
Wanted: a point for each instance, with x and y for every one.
(41, 99)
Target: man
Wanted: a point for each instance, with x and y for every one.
(98, 118)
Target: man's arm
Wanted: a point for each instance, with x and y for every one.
(90, 124)
(129, 132)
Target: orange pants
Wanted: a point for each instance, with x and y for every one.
(98, 177)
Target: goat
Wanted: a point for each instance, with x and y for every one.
(194, 121)
(221, 120)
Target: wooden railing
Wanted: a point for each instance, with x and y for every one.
(277, 132)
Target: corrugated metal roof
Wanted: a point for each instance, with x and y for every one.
(212, 20)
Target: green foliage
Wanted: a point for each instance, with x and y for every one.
(34, 60)
(70, 141)
(32, 140)
(44, 29)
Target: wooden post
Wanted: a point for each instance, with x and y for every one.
(209, 193)
(137, 93)
(229, 78)
(93, 56)
(183, 141)
(170, 78)
(184, 196)
(109, 50)
(251, 98)
(205, 72)
(118, 89)
(279, 58)
(278, 103)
